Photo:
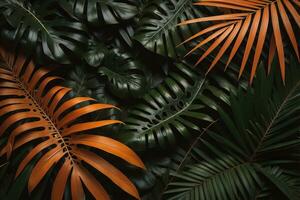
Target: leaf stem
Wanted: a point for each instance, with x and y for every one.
(187, 154)
(3, 164)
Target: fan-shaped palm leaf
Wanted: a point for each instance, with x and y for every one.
(34, 108)
(258, 19)
(42, 29)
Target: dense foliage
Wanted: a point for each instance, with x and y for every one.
(84, 83)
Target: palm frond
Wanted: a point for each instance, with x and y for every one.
(34, 107)
(251, 153)
(174, 109)
(157, 29)
(257, 19)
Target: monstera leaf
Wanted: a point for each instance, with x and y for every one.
(157, 29)
(124, 34)
(36, 110)
(125, 74)
(254, 153)
(98, 12)
(84, 82)
(95, 53)
(258, 19)
(174, 108)
(41, 29)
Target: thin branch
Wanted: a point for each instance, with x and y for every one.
(3, 164)
(187, 154)
(273, 120)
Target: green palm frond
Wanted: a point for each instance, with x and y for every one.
(251, 153)
(157, 29)
(174, 109)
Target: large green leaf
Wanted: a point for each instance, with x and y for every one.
(124, 34)
(95, 53)
(203, 181)
(151, 183)
(97, 12)
(173, 109)
(41, 29)
(125, 74)
(286, 182)
(251, 153)
(157, 29)
(84, 82)
(264, 119)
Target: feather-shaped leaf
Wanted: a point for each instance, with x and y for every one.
(48, 116)
(157, 29)
(257, 17)
(251, 153)
(173, 109)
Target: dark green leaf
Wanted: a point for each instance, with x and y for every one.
(42, 30)
(97, 12)
(157, 29)
(174, 108)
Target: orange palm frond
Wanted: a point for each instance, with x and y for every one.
(35, 108)
(253, 18)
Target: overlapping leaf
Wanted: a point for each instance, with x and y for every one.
(157, 29)
(265, 23)
(84, 82)
(41, 29)
(34, 107)
(254, 150)
(98, 12)
(125, 74)
(173, 109)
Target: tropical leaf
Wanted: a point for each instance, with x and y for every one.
(125, 35)
(207, 184)
(151, 183)
(34, 108)
(283, 180)
(251, 153)
(41, 29)
(125, 74)
(257, 19)
(85, 82)
(97, 12)
(157, 29)
(175, 108)
(95, 53)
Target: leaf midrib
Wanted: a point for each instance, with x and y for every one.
(272, 121)
(44, 113)
(33, 16)
(177, 113)
(121, 77)
(215, 175)
(33, 98)
(169, 21)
